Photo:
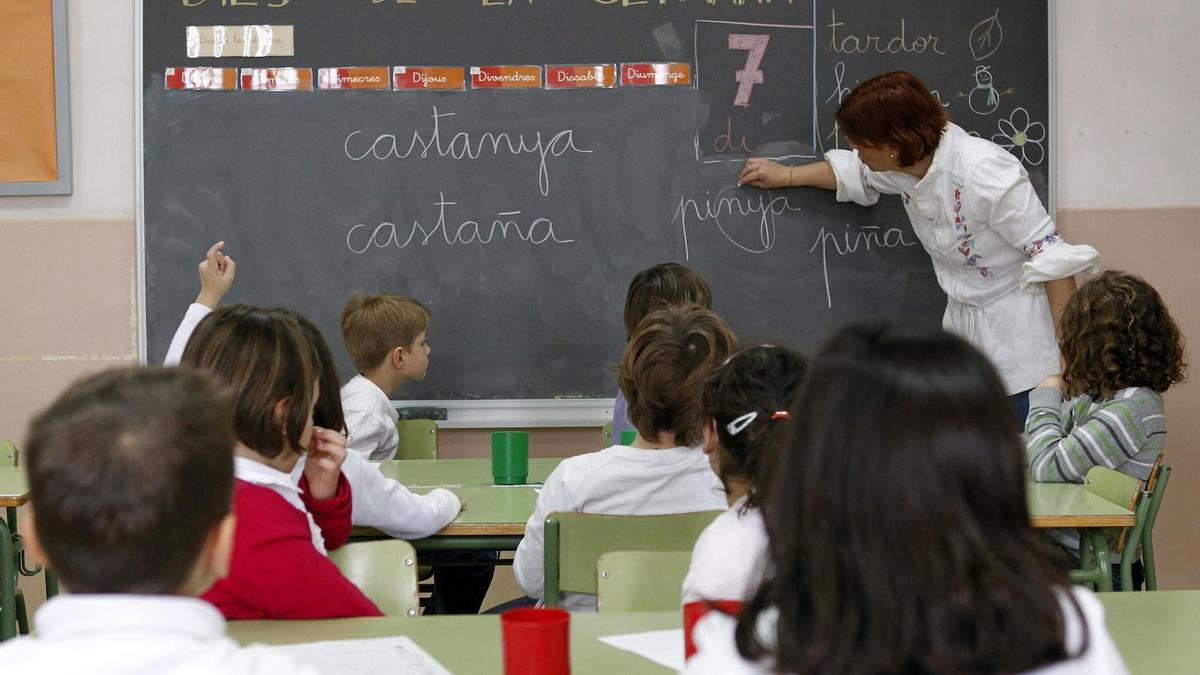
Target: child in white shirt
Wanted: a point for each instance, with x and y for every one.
(662, 375)
(131, 472)
(746, 405)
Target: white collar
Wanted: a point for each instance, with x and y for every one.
(363, 384)
(70, 616)
(257, 473)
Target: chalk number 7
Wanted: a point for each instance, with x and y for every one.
(751, 75)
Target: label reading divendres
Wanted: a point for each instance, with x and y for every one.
(216, 79)
(656, 74)
(600, 76)
(506, 77)
(428, 77)
(277, 79)
(240, 41)
(353, 78)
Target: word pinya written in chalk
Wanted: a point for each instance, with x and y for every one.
(463, 145)
(361, 238)
(757, 212)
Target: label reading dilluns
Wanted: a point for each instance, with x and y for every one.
(599, 76)
(219, 79)
(277, 79)
(353, 78)
(408, 78)
(506, 77)
(656, 74)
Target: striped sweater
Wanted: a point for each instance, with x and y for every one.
(1125, 432)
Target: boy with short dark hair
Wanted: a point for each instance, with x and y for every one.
(385, 337)
(131, 473)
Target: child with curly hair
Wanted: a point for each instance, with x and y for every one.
(1122, 350)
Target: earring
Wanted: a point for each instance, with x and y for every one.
(892, 156)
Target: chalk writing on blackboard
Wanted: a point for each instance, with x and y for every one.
(851, 241)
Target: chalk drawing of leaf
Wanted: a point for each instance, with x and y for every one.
(986, 37)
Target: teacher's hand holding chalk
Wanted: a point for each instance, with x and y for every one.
(217, 271)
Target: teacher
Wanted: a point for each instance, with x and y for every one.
(1006, 271)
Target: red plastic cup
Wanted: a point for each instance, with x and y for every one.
(536, 641)
(692, 612)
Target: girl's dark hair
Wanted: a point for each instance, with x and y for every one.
(899, 536)
(759, 379)
(264, 357)
(665, 365)
(894, 109)
(1117, 333)
(664, 285)
(328, 411)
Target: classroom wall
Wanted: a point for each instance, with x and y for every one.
(1127, 101)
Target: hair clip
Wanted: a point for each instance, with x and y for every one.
(735, 427)
(781, 415)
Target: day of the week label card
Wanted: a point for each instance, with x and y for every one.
(212, 79)
(240, 41)
(656, 74)
(598, 76)
(353, 78)
(436, 78)
(277, 79)
(506, 77)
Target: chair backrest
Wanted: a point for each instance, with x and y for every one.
(575, 541)
(606, 434)
(385, 571)
(640, 581)
(1156, 491)
(8, 454)
(1118, 488)
(418, 439)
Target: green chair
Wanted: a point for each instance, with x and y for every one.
(575, 541)
(1157, 487)
(606, 434)
(385, 571)
(1122, 490)
(418, 439)
(641, 581)
(13, 566)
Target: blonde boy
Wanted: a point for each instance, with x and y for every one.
(385, 336)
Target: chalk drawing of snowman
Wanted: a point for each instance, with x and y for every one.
(983, 99)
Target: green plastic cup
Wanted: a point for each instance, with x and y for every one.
(510, 457)
(628, 436)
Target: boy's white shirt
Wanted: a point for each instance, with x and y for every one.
(377, 501)
(715, 574)
(282, 484)
(136, 635)
(717, 654)
(619, 480)
(370, 419)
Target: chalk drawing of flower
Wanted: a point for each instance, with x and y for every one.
(1022, 137)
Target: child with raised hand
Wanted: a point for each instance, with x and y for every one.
(664, 285)
(899, 534)
(746, 404)
(131, 471)
(279, 568)
(662, 374)
(1122, 350)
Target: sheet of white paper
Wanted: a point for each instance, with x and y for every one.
(664, 647)
(378, 656)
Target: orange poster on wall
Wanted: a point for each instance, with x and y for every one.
(29, 145)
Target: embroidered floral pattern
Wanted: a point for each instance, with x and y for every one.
(966, 241)
(1035, 248)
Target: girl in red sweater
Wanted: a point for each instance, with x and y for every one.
(279, 568)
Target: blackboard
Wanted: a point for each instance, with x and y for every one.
(519, 217)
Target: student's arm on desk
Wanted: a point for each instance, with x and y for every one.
(529, 564)
(388, 506)
(1061, 449)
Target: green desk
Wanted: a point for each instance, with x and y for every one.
(14, 492)
(1069, 505)
(494, 519)
(471, 644)
(1156, 632)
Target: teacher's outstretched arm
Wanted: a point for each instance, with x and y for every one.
(764, 173)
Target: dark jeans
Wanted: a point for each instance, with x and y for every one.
(1020, 403)
(460, 579)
